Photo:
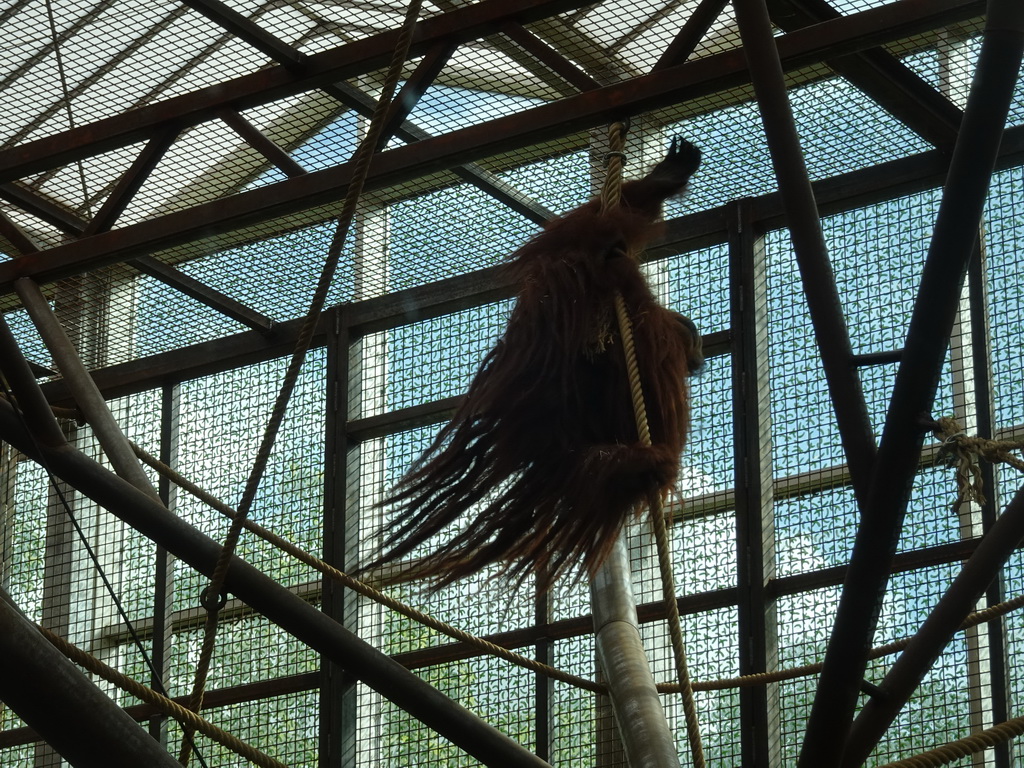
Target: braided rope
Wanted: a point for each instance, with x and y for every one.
(212, 598)
(963, 452)
(166, 706)
(610, 198)
(365, 589)
(761, 678)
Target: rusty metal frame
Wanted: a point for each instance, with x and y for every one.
(656, 90)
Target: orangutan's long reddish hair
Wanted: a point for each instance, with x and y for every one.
(543, 451)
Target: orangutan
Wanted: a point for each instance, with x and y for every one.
(543, 452)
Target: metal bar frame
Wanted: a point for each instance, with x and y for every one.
(148, 516)
(446, 152)
(881, 76)
(692, 32)
(162, 627)
(130, 182)
(338, 705)
(63, 705)
(953, 242)
(350, 60)
(802, 217)
(977, 276)
(83, 388)
(845, 192)
(754, 505)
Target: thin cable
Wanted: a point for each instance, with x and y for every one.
(67, 100)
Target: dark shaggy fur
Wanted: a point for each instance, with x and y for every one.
(544, 448)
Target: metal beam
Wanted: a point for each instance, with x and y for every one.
(667, 87)
(148, 265)
(426, 71)
(931, 322)
(927, 644)
(880, 75)
(858, 188)
(289, 611)
(252, 136)
(203, 293)
(64, 706)
(549, 57)
(17, 237)
(245, 29)
(754, 503)
(802, 216)
(415, 86)
(80, 86)
(83, 388)
(484, 180)
(267, 85)
(53, 213)
(692, 32)
(130, 182)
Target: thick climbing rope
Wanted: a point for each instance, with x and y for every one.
(166, 706)
(212, 597)
(363, 588)
(762, 678)
(610, 199)
(963, 452)
(970, 745)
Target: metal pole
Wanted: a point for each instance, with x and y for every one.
(286, 609)
(646, 738)
(82, 387)
(19, 377)
(933, 636)
(756, 611)
(981, 362)
(75, 717)
(955, 234)
(808, 242)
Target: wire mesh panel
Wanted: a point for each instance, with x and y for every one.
(941, 708)
(234, 212)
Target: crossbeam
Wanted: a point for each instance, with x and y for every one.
(596, 107)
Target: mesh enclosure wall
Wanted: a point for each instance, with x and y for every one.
(171, 179)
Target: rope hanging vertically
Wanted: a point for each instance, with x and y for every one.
(212, 597)
(610, 194)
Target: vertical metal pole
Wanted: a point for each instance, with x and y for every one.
(544, 685)
(755, 527)
(340, 534)
(61, 574)
(982, 365)
(972, 407)
(953, 240)
(84, 389)
(163, 588)
(646, 737)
